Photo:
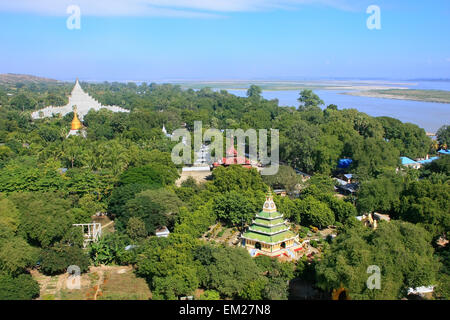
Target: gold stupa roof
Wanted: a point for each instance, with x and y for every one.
(76, 124)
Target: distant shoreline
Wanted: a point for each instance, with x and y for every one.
(384, 90)
(436, 96)
(296, 85)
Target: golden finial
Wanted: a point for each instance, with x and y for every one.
(269, 193)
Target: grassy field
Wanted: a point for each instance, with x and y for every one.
(124, 285)
(440, 96)
(100, 283)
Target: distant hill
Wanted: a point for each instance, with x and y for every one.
(11, 78)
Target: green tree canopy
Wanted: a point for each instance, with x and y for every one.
(254, 92)
(309, 99)
(285, 178)
(16, 255)
(227, 270)
(235, 177)
(409, 139)
(314, 212)
(168, 266)
(45, 218)
(58, 258)
(22, 287)
(147, 210)
(234, 208)
(401, 250)
(443, 136)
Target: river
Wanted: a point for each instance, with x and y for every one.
(428, 115)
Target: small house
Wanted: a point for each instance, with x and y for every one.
(280, 192)
(162, 232)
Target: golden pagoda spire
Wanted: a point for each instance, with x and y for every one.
(76, 124)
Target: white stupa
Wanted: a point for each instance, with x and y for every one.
(202, 160)
(165, 132)
(81, 99)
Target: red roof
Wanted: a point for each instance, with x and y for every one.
(235, 160)
(232, 158)
(231, 152)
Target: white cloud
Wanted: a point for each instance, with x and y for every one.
(172, 8)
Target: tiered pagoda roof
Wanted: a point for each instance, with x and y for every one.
(269, 225)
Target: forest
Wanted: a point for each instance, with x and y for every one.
(123, 168)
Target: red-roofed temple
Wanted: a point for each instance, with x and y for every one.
(231, 157)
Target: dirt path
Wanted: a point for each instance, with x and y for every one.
(99, 283)
(102, 271)
(199, 177)
(49, 286)
(234, 238)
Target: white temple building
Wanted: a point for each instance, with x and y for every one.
(81, 99)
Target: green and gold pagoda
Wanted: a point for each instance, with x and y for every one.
(269, 232)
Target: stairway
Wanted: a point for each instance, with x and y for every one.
(290, 253)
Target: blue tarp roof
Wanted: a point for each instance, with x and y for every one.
(428, 160)
(344, 163)
(444, 151)
(406, 160)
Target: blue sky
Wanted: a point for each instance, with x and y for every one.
(218, 39)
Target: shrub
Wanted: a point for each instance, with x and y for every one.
(210, 295)
(111, 249)
(58, 258)
(22, 287)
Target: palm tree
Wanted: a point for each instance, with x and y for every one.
(71, 149)
(434, 145)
